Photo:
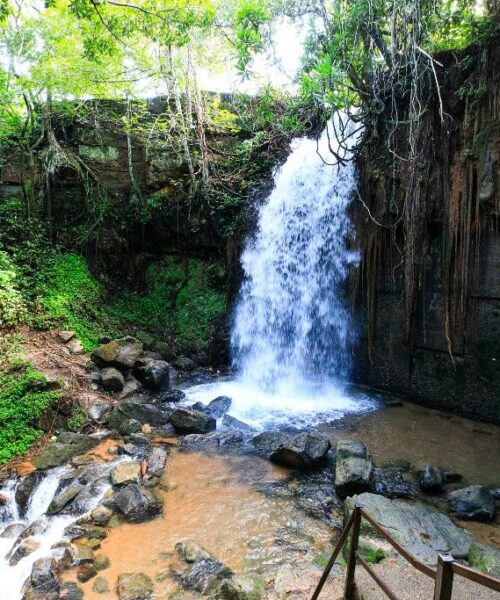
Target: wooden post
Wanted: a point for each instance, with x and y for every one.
(444, 578)
(351, 566)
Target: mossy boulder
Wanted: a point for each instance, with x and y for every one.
(134, 586)
(67, 445)
(122, 353)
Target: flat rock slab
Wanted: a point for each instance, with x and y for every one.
(421, 530)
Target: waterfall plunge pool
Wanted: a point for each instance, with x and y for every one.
(292, 405)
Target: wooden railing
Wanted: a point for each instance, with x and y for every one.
(443, 576)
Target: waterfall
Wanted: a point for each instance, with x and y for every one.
(291, 322)
(292, 329)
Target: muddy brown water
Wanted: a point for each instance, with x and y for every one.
(210, 500)
(213, 500)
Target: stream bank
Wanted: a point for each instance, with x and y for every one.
(132, 496)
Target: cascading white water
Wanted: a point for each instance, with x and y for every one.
(292, 331)
(12, 577)
(291, 322)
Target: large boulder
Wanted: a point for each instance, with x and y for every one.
(218, 407)
(139, 411)
(134, 586)
(68, 445)
(112, 380)
(63, 498)
(138, 504)
(152, 373)
(353, 468)
(186, 420)
(268, 442)
(420, 529)
(474, 502)
(233, 423)
(122, 353)
(485, 558)
(172, 396)
(43, 578)
(126, 472)
(301, 451)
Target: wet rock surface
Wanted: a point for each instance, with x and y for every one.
(198, 570)
(474, 502)
(67, 445)
(353, 469)
(134, 586)
(422, 530)
(153, 373)
(137, 503)
(186, 420)
(302, 451)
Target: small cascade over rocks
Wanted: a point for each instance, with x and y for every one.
(292, 334)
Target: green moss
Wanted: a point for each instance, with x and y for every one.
(77, 420)
(72, 298)
(181, 298)
(23, 399)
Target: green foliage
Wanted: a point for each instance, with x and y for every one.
(181, 298)
(71, 297)
(77, 420)
(23, 399)
(12, 305)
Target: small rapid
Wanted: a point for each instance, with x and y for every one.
(45, 532)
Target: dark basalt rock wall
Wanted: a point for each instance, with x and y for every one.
(441, 346)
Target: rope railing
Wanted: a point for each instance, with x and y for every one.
(443, 576)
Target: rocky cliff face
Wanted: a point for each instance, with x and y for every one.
(428, 288)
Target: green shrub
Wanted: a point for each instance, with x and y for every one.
(71, 297)
(12, 305)
(23, 399)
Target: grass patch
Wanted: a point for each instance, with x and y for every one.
(181, 298)
(72, 298)
(23, 399)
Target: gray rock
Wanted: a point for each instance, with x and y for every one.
(420, 529)
(485, 558)
(134, 586)
(129, 426)
(152, 373)
(233, 423)
(142, 412)
(80, 554)
(138, 504)
(353, 468)
(126, 472)
(132, 387)
(42, 576)
(474, 502)
(393, 483)
(101, 563)
(122, 353)
(63, 498)
(201, 572)
(431, 480)
(74, 346)
(172, 396)
(70, 591)
(156, 461)
(24, 490)
(112, 380)
(67, 445)
(184, 364)
(65, 336)
(12, 530)
(218, 407)
(85, 572)
(268, 442)
(98, 410)
(302, 451)
(23, 549)
(241, 588)
(186, 420)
